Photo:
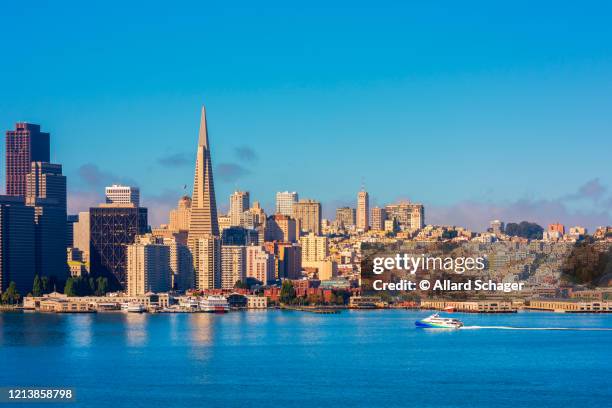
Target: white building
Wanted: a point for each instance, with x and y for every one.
(117, 194)
(233, 265)
(285, 201)
(148, 266)
(314, 248)
(239, 203)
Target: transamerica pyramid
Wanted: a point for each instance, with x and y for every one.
(204, 220)
(203, 239)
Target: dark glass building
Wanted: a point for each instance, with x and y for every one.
(112, 227)
(239, 236)
(24, 145)
(17, 244)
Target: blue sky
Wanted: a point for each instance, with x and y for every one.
(477, 110)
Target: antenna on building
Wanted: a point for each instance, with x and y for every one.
(362, 183)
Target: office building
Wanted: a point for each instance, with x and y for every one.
(379, 216)
(314, 248)
(259, 264)
(81, 234)
(239, 236)
(112, 227)
(24, 145)
(17, 244)
(203, 239)
(148, 266)
(408, 216)
(285, 201)
(70, 220)
(497, 227)
(180, 216)
(363, 211)
(280, 227)
(307, 214)
(345, 217)
(118, 194)
(233, 265)
(181, 262)
(46, 192)
(289, 261)
(239, 203)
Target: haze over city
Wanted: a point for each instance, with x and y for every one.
(511, 125)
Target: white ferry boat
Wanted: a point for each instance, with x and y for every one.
(133, 308)
(214, 304)
(436, 322)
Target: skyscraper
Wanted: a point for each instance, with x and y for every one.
(307, 214)
(378, 218)
(117, 194)
(17, 244)
(24, 145)
(345, 217)
(239, 203)
(112, 227)
(148, 266)
(259, 264)
(363, 211)
(46, 192)
(285, 201)
(179, 217)
(233, 265)
(203, 239)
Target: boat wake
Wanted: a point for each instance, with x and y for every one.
(535, 328)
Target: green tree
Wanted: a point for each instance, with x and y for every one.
(46, 285)
(37, 286)
(102, 286)
(11, 295)
(69, 288)
(287, 293)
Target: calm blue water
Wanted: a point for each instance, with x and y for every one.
(276, 359)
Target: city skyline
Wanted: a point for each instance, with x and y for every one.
(509, 125)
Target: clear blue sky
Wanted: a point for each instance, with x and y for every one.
(478, 110)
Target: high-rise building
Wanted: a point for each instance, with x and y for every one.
(179, 217)
(314, 248)
(118, 194)
(280, 227)
(207, 270)
(307, 214)
(112, 227)
(203, 239)
(285, 201)
(239, 203)
(70, 220)
(289, 261)
(259, 264)
(181, 263)
(46, 192)
(239, 236)
(345, 217)
(17, 244)
(148, 266)
(363, 211)
(233, 265)
(379, 216)
(408, 216)
(24, 145)
(81, 234)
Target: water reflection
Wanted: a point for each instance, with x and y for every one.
(201, 334)
(136, 332)
(80, 329)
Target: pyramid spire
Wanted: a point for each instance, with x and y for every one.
(203, 138)
(203, 206)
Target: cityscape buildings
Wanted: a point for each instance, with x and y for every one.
(233, 265)
(345, 217)
(379, 216)
(259, 264)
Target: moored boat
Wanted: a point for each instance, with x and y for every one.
(214, 304)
